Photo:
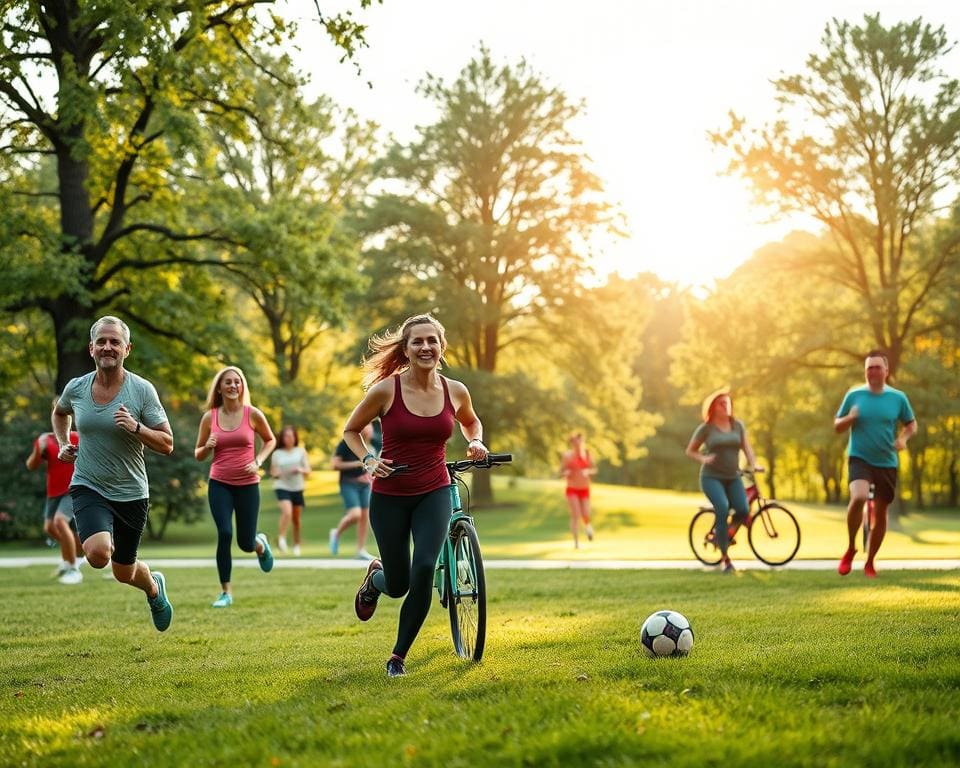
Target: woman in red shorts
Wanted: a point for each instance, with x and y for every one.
(577, 466)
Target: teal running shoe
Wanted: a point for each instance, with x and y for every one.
(160, 607)
(265, 557)
(223, 601)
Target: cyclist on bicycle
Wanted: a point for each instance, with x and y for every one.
(871, 413)
(417, 409)
(722, 437)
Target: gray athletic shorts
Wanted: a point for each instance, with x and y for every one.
(62, 504)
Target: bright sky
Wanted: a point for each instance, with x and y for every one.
(655, 75)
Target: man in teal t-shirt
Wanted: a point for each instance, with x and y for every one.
(872, 412)
(117, 415)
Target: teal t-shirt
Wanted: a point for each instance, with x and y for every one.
(873, 433)
(726, 446)
(110, 459)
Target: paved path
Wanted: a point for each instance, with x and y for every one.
(603, 565)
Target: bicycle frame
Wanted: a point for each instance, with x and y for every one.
(444, 588)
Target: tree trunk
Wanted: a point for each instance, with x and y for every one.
(954, 483)
(71, 328)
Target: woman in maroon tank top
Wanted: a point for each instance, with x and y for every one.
(417, 408)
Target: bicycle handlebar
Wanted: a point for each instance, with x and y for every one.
(491, 460)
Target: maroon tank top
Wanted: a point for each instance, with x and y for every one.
(417, 441)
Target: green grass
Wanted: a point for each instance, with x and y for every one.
(530, 520)
(789, 668)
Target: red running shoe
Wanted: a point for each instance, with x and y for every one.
(846, 562)
(366, 601)
(869, 571)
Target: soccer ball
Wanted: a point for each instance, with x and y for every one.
(666, 633)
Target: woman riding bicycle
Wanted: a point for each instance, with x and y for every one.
(417, 409)
(722, 437)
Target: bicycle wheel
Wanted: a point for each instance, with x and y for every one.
(467, 601)
(702, 537)
(774, 534)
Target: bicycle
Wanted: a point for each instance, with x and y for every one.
(459, 577)
(774, 540)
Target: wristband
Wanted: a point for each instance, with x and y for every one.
(475, 440)
(137, 430)
(365, 458)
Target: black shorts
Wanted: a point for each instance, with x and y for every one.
(123, 520)
(884, 479)
(294, 497)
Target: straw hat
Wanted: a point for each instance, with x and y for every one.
(708, 401)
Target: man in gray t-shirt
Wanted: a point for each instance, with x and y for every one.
(117, 413)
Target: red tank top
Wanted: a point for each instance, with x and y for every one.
(417, 441)
(233, 452)
(59, 473)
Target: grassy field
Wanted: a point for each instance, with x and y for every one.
(789, 668)
(530, 520)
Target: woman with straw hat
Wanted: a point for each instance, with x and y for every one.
(716, 444)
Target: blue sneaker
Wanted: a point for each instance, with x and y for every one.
(334, 541)
(223, 601)
(265, 557)
(160, 607)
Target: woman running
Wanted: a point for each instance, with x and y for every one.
(577, 467)
(417, 409)
(289, 466)
(228, 430)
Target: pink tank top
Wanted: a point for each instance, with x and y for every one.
(417, 441)
(233, 452)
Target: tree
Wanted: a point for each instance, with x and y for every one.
(486, 216)
(868, 144)
(284, 193)
(116, 94)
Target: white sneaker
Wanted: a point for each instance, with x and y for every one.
(71, 576)
(282, 543)
(334, 541)
(296, 550)
(82, 560)
(61, 569)
(362, 554)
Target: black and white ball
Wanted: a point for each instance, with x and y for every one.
(666, 633)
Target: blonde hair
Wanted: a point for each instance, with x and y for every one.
(386, 350)
(215, 399)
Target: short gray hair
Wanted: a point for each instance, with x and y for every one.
(110, 320)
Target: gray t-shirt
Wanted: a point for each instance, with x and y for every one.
(110, 459)
(726, 447)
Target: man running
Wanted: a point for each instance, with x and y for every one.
(58, 509)
(871, 412)
(117, 413)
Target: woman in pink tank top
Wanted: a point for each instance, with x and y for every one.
(228, 429)
(417, 408)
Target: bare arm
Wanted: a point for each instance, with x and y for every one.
(748, 451)
(259, 423)
(909, 430)
(206, 440)
(469, 422)
(62, 421)
(305, 468)
(693, 451)
(35, 459)
(374, 404)
(843, 423)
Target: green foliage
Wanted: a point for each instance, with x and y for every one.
(22, 494)
(867, 142)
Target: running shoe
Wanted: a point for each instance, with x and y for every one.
(296, 550)
(362, 554)
(71, 576)
(160, 607)
(266, 556)
(61, 569)
(869, 571)
(366, 601)
(728, 566)
(589, 530)
(334, 541)
(395, 667)
(223, 601)
(282, 544)
(846, 562)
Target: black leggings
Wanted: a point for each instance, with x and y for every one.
(224, 499)
(394, 519)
